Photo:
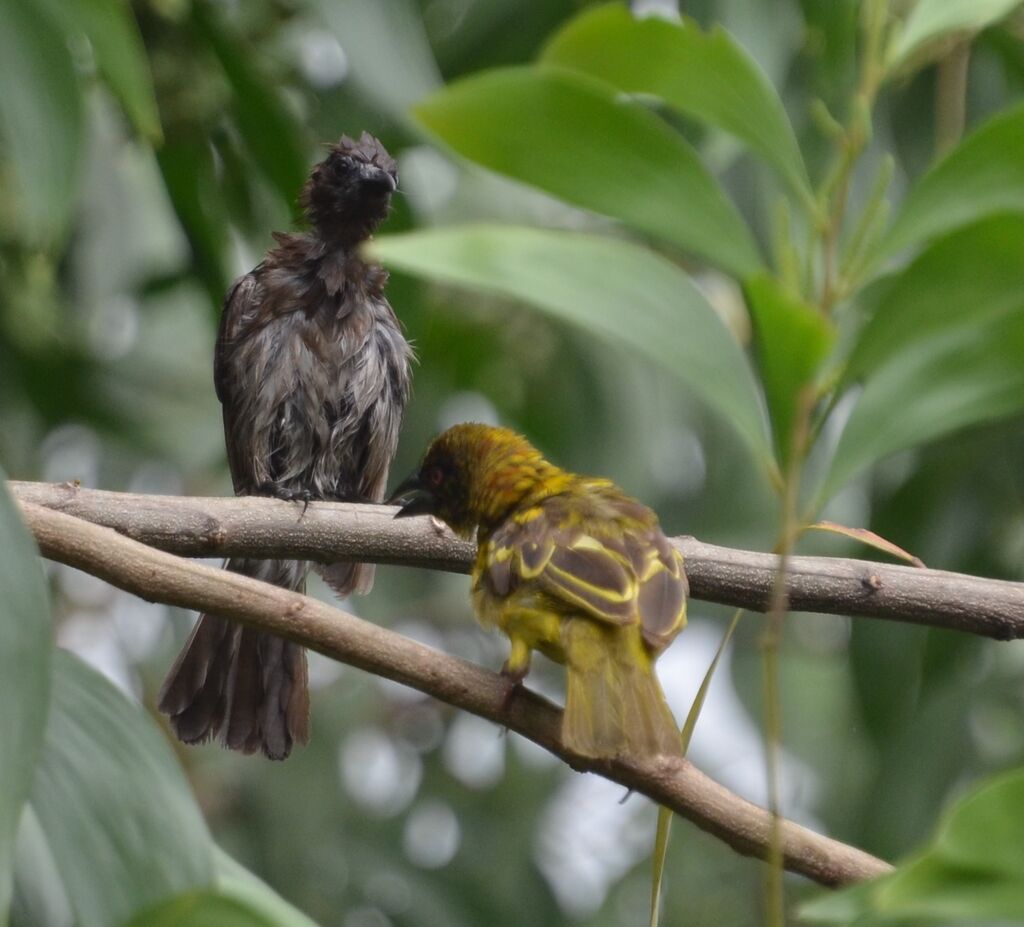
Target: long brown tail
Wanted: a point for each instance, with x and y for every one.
(614, 704)
(247, 688)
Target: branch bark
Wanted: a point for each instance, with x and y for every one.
(163, 577)
(256, 527)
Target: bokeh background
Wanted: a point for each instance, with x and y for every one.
(402, 811)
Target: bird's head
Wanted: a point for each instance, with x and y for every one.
(348, 194)
(472, 475)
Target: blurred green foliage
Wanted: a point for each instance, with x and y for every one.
(752, 270)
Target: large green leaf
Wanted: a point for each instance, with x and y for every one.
(238, 900)
(25, 648)
(234, 881)
(573, 137)
(188, 171)
(933, 387)
(115, 807)
(39, 897)
(619, 291)
(708, 76)
(40, 117)
(972, 871)
(984, 829)
(964, 280)
(201, 909)
(120, 55)
(930, 21)
(937, 891)
(792, 340)
(982, 175)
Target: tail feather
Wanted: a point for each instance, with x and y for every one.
(614, 703)
(193, 692)
(347, 577)
(246, 687)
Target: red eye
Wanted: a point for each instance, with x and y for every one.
(435, 477)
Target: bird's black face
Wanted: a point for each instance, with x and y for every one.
(353, 181)
(436, 489)
(349, 193)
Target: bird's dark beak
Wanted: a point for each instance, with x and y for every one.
(375, 178)
(413, 498)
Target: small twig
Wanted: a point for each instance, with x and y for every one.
(330, 531)
(672, 782)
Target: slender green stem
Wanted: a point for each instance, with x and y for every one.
(856, 256)
(836, 276)
(786, 258)
(951, 97)
(775, 902)
(664, 815)
(770, 641)
(851, 143)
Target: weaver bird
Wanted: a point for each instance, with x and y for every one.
(568, 565)
(312, 371)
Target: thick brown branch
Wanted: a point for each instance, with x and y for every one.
(198, 526)
(674, 783)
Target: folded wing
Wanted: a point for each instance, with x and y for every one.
(619, 570)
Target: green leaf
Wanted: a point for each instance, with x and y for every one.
(201, 909)
(120, 54)
(272, 134)
(792, 341)
(189, 176)
(672, 61)
(967, 279)
(935, 890)
(984, 174)
(40, 118)
(933, 387)
(983, 830)
(25, 648)
(115, 807)
(236, 882)
(239, 900)
(618, 291)
(973, 870)
(576, 139)
(843, 907)
(930, 21)
(39, 898)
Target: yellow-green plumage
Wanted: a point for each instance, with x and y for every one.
(573, 567)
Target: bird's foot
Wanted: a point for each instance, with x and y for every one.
(287, 495)
(440, 528)
(514, 683)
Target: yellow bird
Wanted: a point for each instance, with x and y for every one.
(568, 565)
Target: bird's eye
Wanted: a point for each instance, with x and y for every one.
(434, 477)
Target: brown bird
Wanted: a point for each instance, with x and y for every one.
(568, 565)
(312, 371)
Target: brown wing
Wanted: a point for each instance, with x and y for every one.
(662, 589)
(241, 307)
(610, 568)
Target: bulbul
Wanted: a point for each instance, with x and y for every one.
(312, 372)
(568, 565)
